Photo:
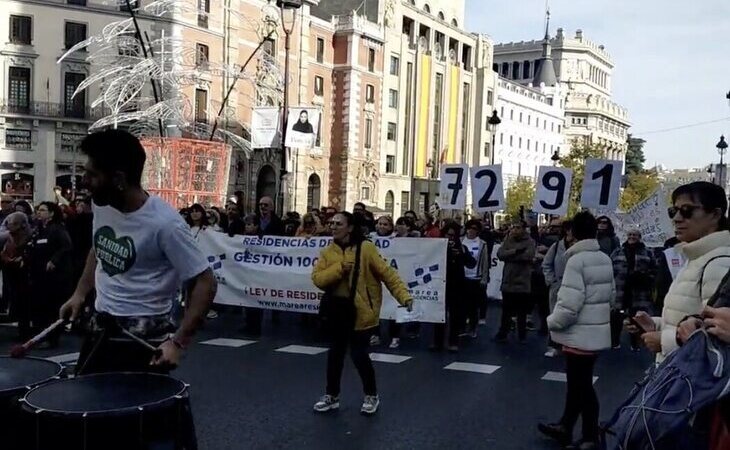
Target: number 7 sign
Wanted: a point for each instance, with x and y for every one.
(452, 189)
(601, 184)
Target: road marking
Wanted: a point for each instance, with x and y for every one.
(560, 377)
(388, 358)
(302, 349)
(10, 324)
(226, 342)
(472, 367)
(65, 358)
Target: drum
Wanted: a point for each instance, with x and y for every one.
(110, 411)
(18, 376)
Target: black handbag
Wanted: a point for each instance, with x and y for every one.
(337, 311)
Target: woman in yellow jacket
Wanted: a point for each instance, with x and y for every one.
(333, 274)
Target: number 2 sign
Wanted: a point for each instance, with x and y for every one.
(602, 184)
(486, 188)
(452, 189)
(553, 190)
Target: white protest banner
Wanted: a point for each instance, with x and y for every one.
(301, 127)
(553, 190)
(452, 189)
(601, 184)
(265, 127)
(651, 218)
(487, 188)
(276, 272)
(496, 267)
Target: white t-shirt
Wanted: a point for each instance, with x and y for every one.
(473, 245)
(142, 258)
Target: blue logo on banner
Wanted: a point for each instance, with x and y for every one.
(423, 276)
(216, 263)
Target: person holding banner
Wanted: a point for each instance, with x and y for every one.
(351, 305)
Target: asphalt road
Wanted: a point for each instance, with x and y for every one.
(255, 396)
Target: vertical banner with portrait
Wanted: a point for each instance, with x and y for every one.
(265, 127)
(301, 127)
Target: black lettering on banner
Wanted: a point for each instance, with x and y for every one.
(605, 174)
(558, 186)
(486, 201)
(457, 185)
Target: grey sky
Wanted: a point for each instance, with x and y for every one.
(672, 62)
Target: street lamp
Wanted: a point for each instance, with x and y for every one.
(721, 149)
(555, 158)
(493, 123)
(287, 8)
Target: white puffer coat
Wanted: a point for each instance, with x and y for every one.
(582, 316)
(709, 255)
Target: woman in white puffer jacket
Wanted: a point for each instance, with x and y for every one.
(699, 215)
(581, 323)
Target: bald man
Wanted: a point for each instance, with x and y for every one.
(270, 223)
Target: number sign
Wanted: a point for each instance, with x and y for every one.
(486, 188)
(553, 190)
(452, 189)
(602, 184)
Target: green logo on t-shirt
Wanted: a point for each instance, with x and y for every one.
(116, 254)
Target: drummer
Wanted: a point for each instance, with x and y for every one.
(141, 254)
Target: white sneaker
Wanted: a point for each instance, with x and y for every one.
(395, 343)
(212, 314)
(551, 353)
(482, 321)
(327, 403)
(370, 405)
(374, 340)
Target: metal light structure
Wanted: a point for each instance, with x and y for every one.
(493, 123)
(555, 158)
(288, 10)
(721, 172)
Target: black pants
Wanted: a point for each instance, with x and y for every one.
(580, 398)
(476, 301)
(358, 341)
(515, 304)
(454, 319)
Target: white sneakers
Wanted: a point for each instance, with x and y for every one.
(330, 403)
(551, 353)
(395, 343)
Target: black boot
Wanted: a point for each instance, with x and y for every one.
(556, 431)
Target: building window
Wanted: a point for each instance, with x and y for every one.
(75, 33)
(19, 89)
(391, 131)
(529, 119)
(528, 144)
(501, 138)
(74, 107)
(394, 65)
(465, 109)
(526, 69)
(319, 86)
(490, 97)
(365, 193)
(201, 105)
(515, 70)
(390, 164)
(537, 122)
(437, 113)
(203, 12)
(371, 60)
(505, 69)
(511, 141)
(314, 192)
(559, 128)
(487, 149)
(368, 133)
(519, 143)
(405, 202)
(20, 30)
(511, 114)
(407, 118)
(393, 98)
(269, 47)
(441, 16)
(202, 54)
(427, 8)
(369, 93)
(390, 203)
(320, 50)
(17, 139)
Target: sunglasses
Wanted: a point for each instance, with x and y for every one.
(686, 211)
(335, 223)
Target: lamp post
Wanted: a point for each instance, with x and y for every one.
(721, 149)
(288, 10)
(493, 123)
(555, 158)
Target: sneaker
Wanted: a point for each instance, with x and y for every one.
(327, 403)
(212, 314)
(370, 405)
(473, 334)
(556, 432)
(551, 353)
(374, 340)
(531, 326)
(395, 343)
(617, 347)
(482, 321)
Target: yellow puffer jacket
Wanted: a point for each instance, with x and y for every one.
(328, 275)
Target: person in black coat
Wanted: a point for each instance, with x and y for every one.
(270, 224)
(49, 259)
(80, 229)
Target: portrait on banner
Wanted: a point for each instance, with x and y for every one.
(302, 127)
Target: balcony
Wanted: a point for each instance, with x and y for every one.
(52, 110)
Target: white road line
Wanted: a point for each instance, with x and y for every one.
(302, 349)
(9, 324)
(472, 367)
(389, 358)
(560, 377)
(65, 358)
(226, 342)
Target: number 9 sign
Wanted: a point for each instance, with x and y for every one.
(602, 184)
(486, 188)
(553, 190)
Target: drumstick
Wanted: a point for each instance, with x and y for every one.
(19, 351)
(157, 352)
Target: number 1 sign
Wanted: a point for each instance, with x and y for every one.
(553, 190)
(452, 189)
(602, 184)
(486, 188)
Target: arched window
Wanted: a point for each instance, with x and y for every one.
(427, 8)
(441, 16)
(389, 203)
(314, 189)
(454, 23)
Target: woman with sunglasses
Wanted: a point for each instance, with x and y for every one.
(700, 223)
(345, 280)
(606, 236)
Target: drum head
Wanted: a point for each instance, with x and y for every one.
(18, 373)
(105, 393)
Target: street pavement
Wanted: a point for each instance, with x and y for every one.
(257, 393)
